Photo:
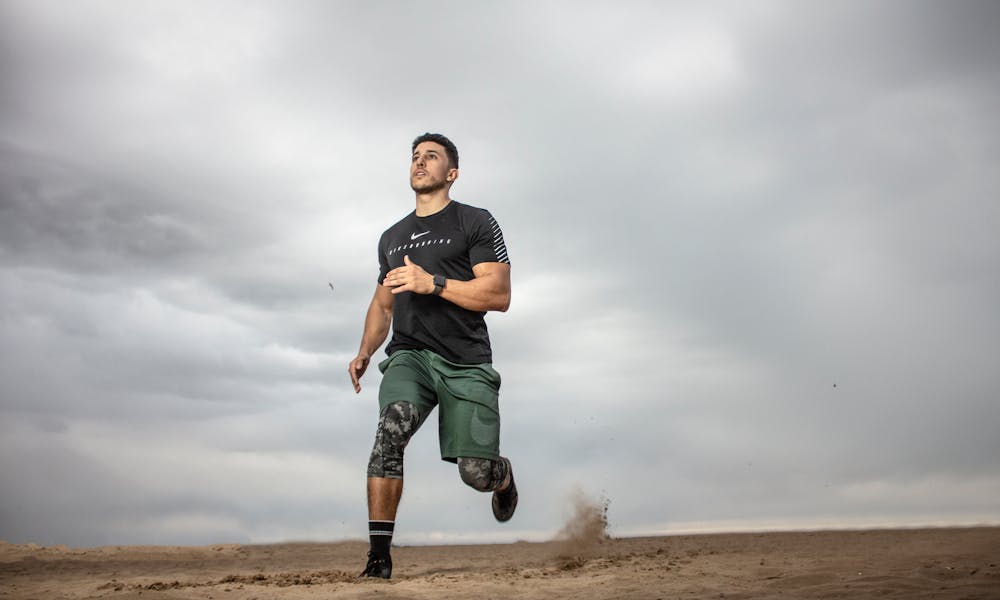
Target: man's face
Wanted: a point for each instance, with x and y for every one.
(430, 169)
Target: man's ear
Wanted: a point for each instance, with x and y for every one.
(452, 175)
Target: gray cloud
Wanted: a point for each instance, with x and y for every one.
(715, 212)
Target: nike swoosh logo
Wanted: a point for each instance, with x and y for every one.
(482, 433)
(414, 236)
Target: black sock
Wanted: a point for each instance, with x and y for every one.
(380, 535)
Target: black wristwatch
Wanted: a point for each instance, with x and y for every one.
(439, 282)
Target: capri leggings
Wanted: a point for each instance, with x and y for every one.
(396, 425)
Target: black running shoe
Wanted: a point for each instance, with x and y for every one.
(379, 567)
(504, 502)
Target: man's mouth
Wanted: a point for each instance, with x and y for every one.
(419, 172)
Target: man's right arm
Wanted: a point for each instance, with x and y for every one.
(377, 324)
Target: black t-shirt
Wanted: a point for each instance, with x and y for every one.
(449, 242)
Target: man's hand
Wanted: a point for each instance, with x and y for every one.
(357, 368)
(411, 277)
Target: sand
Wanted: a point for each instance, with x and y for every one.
(924, 563)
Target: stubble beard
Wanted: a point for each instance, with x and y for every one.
(429, 187)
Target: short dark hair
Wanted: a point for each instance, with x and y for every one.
(437, 138)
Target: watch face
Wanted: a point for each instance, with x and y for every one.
(439, 280)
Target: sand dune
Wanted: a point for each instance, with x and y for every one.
(927, 563)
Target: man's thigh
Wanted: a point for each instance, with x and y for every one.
(469, 413)
(407, 377)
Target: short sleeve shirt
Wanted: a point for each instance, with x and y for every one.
(449, 242)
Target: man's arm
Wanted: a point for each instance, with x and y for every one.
(489, 290)
(377, 323)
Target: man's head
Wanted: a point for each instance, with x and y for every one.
(434, 163)
(442, 141)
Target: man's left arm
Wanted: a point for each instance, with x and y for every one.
(488, 290)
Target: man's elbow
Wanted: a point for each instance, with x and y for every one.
(503, 303)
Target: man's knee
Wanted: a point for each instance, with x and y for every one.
(396, 425)
(481, 474)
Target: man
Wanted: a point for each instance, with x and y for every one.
(442, 267)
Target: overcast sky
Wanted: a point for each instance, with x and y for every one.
(755, 251)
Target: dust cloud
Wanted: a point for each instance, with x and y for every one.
(585, 530)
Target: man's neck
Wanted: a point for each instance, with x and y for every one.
(428, 204)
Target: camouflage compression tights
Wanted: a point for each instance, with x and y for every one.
(482, 474)
(396, 425)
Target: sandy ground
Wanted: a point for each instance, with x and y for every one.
(927, 563)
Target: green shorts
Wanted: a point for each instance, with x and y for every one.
(469, 418)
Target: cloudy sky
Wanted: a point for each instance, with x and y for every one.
(756, 267)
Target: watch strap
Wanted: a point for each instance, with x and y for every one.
(439, 283)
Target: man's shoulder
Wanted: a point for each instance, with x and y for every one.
(472, 214)
(469, 209)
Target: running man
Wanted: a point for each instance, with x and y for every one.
(442, 267)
